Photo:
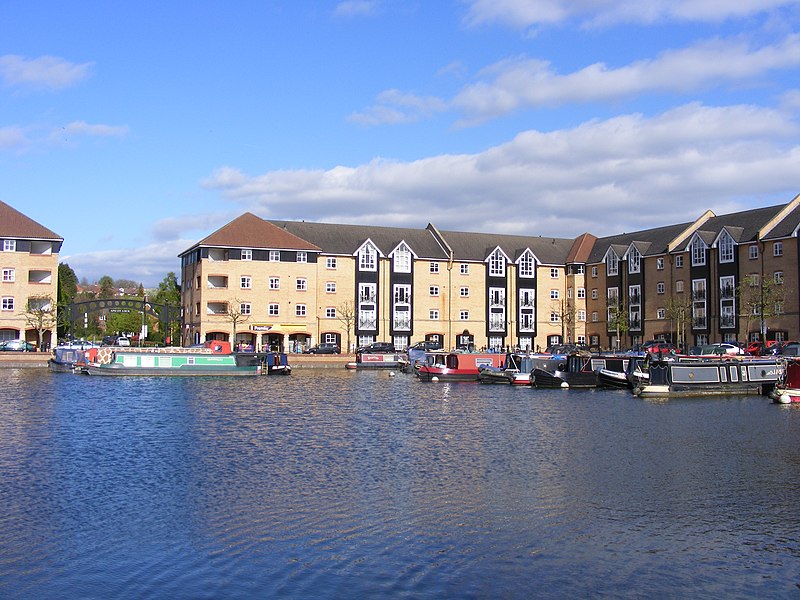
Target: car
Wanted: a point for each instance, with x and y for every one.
(426, 346)
(720, 349)
(17, 346)
(377, 348)
(123, 341)
(659, 347)
(324, 348)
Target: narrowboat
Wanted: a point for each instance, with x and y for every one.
(515, 370)
(69, 358)
(633, 375)
(703, 377)
(577, 371)
(787, 388)
(366, 360)
(213, 358)
(456, 366)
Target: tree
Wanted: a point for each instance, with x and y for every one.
(40, 314)
(67, 291)
(679, 311)
(235, 316)
(760, 302)
(169, 294)
(107, 287)
(346, 314)
(617, 319)
(566, 314)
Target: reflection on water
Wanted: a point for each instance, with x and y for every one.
(344, 484)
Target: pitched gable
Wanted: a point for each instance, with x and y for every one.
(13, 224)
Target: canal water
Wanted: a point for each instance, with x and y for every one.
(338, 484)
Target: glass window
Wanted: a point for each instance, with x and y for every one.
(272, 309)
(7, 303)
(247, 254)
(330, 287)
(660, 287)
(777, 249)
(698, 252)
(433, 315)
(9, 245)
(612, 263)
(554, 294)
(753, 252)
(634, 261)
(464, 269)
(464, 292)
(330, 262)
(679, 261)
(725, 248)
(9, 275)
(302, 284)
(661, 313)
(275, 255)
(274, 283)
(497, 264)
(244, 308)
(433, 290)
(553, 273)
(554, 317)
(300, 310)
(594, 271)
(594, 293)
(679, 286)
(330, 313)
(246, 282)
(526, 265)
(581, 293)
(302, 257)
(594, 316)
(434, 267)
(367, 258)
(581, 315)
(402, 259)
(778, 276)
(464, 315)
(660, 263)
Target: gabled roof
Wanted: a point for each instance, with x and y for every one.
(13, 224)
(346, 239)
(749, 221)
(736, 233)
(659, 239)
(478, 246)
(581, 248)
(785, 227)
(250, 231)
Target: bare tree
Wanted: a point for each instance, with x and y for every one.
(566, 314)
(40, 314)
(618, 319)
(346, 314)
(235, 315)
(679, 311)
(760, 300)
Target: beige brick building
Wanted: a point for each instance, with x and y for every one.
(29, 274)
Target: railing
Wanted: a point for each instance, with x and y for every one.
(368, 323)
(727, 321)
(726, 293)
(699, 323)
(401, 324)
(497, 324)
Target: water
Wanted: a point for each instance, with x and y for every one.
(343, 485)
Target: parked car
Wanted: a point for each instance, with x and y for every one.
(123, 341)
(377, 348)
(324, 348)
(659, 347)
(720, 349)
(17, 346)
(426, 346)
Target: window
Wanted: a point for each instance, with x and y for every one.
(777, 249)
(698, 252)
(367, 258)
(661, 313)
(464, 292)
(660, 287)
(246, 282)
(581, 315)
(433, 315)
(330, 287)
(725, 248)
(553, 273)
(301, 285)
(755, 279)
(9, 245)
(433, 290)
(569, 293)
(274, 283)
(679, 261)
(464, 269)
(302, 257)
(7, 303)
(660, 264)
(272, 309)
(553, 294)
(330, 262)
(497, 264)
(299, 310)
(9, 275)
(554, 318)
(594, 293)
(247, 254)
(594, 271)
(594, 316)
(275, 256)
(402, 259)
(330, 313)
(634, 261)
(753, 252)
(612, 263)
(526, 265)
(778, 276)
(434, 267)
(679, 286)
(464, 315)
(581, 293)
(244, 308)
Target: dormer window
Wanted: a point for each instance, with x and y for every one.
(725, 248)
(698, 252)
(634, 261)
(497, 264)
(612, 263)
(526, 265)
(402, 259)
(367, 258)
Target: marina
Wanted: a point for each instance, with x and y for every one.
(338, 484)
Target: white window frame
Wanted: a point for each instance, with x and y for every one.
(661, 287)
(330, 287)
(274, 256)
(330, 262)
(752, 252)
(434, 267)
(554, 273)
(330, 312)
(497, 264)
(245, 308)
(273, 309)
(660, 263)
(463, 315)
(679, 261)
(777, 249)
(464, 292)
(246, 282)
(274, 283)
(464, 269)
(726, 248)
(9, 245)
(527, 266)
(581, 293)
(368, 258)
(301, 285)
(302, 256)
(9, 275)
(634, 260)
(299, 310)
(401, 260)
(433, 315)
(247, 254)
(612, 263)
(7, 303)
(433, 290)
(698, 252)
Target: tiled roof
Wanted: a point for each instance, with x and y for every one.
(250, 231)
(658, 238)
(478, 246)
(347, 239)
(750, 221)
(787, 225)
(581, 248)
(13, 224)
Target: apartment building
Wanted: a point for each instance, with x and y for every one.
(29, 266)
(290, 284)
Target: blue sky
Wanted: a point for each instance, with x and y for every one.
(134, 129)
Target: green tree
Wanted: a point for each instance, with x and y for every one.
(617, 319)
(107, 287)
(760, 300)
(67, 291)
(168, 294)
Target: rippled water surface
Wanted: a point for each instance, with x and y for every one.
(340, 484)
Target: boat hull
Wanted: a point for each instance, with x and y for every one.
(379, 361)
(710, 378)
(174, 362)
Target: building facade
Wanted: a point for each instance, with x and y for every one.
(29, 282)
(289, 284)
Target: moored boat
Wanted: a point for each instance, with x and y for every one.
(213, 358)
(787, 388)
(366, 360)
(515, 370)
(579, 370)
(69, 358)
(702, 377)
(456, 366)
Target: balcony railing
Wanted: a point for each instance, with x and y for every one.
(497, 324)
(727, 321)
(699, 323)
(401, 324)
(726, 292)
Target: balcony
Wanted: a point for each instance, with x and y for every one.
(401, 324)
(36, 276)
(497, 324)
(367, 322)
(217, 282)
(727, 321)
(217, 308)
(726, 292)
(699, 323)
(217, 255)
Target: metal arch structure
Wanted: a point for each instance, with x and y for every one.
(167, 315)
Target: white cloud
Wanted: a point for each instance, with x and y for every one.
(605, 177)
(12, 138)
(522, 14)
(519, 82)
(43, 72)
(356, 8)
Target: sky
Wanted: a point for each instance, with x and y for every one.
(135, 129)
